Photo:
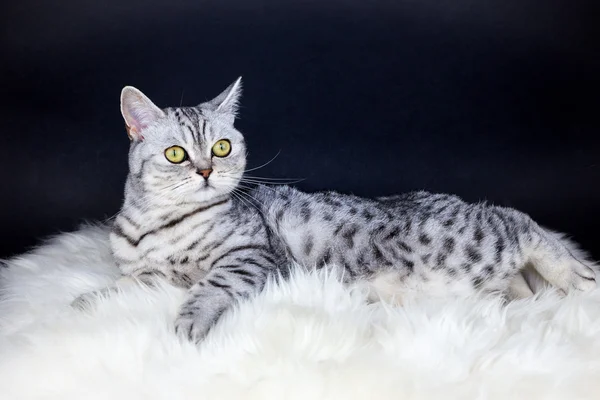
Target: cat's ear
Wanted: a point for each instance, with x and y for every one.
(226, 104)
(138, 111)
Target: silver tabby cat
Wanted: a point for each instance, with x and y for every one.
(185, 220)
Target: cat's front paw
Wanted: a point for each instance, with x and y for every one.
(191, 327)
(85, 301)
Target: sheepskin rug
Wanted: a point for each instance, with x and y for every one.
(308, 338)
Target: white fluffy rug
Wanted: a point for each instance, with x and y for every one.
(310, 338)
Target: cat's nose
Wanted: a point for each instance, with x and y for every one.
(204, 172)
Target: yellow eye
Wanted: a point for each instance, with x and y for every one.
(222, 148)
(176, 154)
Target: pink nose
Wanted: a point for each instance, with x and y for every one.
(204, 172)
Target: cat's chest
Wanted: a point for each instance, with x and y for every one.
(168, 242)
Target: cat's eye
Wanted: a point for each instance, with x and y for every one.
(222, 148)
(176, 154)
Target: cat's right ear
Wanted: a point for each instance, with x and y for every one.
(138, 111)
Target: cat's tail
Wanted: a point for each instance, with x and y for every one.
(559, 261)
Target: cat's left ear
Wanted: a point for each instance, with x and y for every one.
(138, 111)
(226, 104)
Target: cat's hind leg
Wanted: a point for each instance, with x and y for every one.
(560, 262)
(519, 288)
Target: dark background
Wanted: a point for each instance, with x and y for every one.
(493, 99)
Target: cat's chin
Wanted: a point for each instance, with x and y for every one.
(208, 194)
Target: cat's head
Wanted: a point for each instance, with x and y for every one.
(184, 154)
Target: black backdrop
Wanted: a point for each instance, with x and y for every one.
(494, 100)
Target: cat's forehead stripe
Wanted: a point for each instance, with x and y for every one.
(187, 128)
(203, 130)
(192, 120)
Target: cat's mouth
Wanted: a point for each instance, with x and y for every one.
(207, 185)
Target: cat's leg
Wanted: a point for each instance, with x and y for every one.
(234, 277)
(556, 263)
(556, 260)
(86, 300)
(519, 288)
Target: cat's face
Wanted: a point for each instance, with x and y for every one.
(185, 154)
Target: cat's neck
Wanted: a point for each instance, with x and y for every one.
(149, 211)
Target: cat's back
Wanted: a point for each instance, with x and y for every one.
(328, 206)
(310, 225)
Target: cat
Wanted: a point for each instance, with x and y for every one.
(185, 219)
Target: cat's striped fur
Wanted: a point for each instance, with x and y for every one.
(200, 233)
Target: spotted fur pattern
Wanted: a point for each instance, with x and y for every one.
(421, 241)
(204, 234)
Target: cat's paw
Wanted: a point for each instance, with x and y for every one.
(566, 274)
(85, 301)
(582, 277)
(191, 328)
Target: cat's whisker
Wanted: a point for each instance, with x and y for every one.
(265, 164)
(236, 174)
(162, 194)
(243, 197)
(261, 179)
(249, 200)
(170, 186)
(251, 187)
(257, 181)
(150, 200)
(109, 219)
(239, 195)
(176, 188)
(235, 188)
(270, 179)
